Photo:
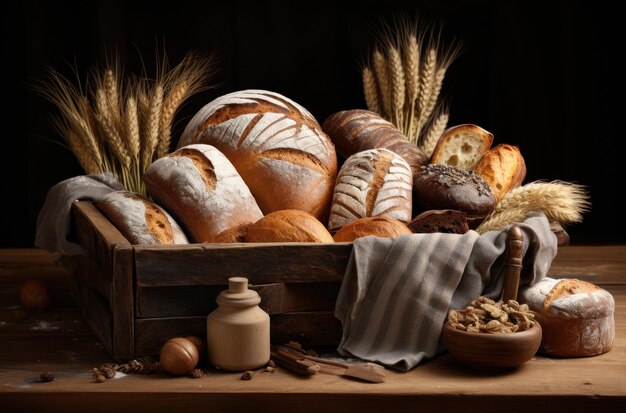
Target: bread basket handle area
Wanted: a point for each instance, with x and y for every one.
(513, 264)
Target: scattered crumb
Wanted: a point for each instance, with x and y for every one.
(270, 369)
(197, 373)
(247, 375)
(46, 377)
(587, 382)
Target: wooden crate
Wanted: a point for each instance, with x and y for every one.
(136, 297)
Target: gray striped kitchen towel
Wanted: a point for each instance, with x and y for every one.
(396, 292)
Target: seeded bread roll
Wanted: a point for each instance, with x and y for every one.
(462, 146)
(141, 221)
(382, 226)
(577, 317)
(275, 144)
(371, 183)
(449, 187)
(202, 189)
(358, 130)
(288, 225)
(449, 221)
(503, 168)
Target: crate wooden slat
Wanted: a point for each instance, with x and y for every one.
(136, 297)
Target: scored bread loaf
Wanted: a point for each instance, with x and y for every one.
(200, 187)
(382, 226)
(140, 220)
(290, 225)
(577, 318)
(503, 168)
(371, 183)
(358, 130)
(275, 144)
(462, 146)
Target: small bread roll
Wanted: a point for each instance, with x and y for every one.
(577, 317)
(202, 189)
(462, 146)
(289, 225)
(382, 226)
(141, 221)
(372, 183)
(503, 168)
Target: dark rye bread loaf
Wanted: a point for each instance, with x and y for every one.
(275, 144)
(449, 187)
(202, 189)
(357, 130)
(140, 220)
(371, 183)
(449, 221)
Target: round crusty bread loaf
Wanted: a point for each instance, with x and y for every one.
(449, 187)
(202, 189)
(577, 317)
(382, 226)
(503, 168)
(372, 183)
(449, 221)
(275, 144)
(141, 221)
(462, 146)
(358, 130)
(289, 225)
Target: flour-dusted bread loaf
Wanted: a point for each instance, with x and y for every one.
(288, 225)
(382, 226)
(503, 168)
(358, 130)
(199, 186)
(577, 317)
(450, 187)
(140, 220)
(462, 146)
(275, 144)
(372, 183)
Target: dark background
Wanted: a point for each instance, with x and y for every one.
(541, 75)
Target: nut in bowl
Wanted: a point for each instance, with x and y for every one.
(492, 336)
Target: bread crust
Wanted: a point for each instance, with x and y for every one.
(381, 226)
(140, 220)
(503, 167)
(276, 145)
(288, 226)
(199, 186)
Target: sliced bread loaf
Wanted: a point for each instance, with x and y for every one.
(462, 146)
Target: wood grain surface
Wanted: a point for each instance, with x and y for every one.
(57, 340)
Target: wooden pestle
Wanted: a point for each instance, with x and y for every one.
(513, 264)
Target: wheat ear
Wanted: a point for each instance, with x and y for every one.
(382, 77)
(560, 201)
(113, 96)
(131, 124)
(369, 90)
(436, 129)
(398, 87)
(170, 104)
(151, 128)
(427, 79)
(111, 136)
(411, 73)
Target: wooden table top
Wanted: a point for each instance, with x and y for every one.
(58, 341)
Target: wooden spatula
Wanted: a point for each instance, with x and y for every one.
(369, 372)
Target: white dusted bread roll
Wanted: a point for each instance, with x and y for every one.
(140, 220)
(276, 145)
(372, 183)
(202, 189)
(577, 317)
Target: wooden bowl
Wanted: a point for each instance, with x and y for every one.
(494, 352)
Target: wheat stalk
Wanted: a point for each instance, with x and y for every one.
(436, 129)
(382, 76)
(396, 76)
(560, 201)
(369, 90)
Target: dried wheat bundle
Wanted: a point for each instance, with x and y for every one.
(560, 201)
(403, 82)
(122, 124)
